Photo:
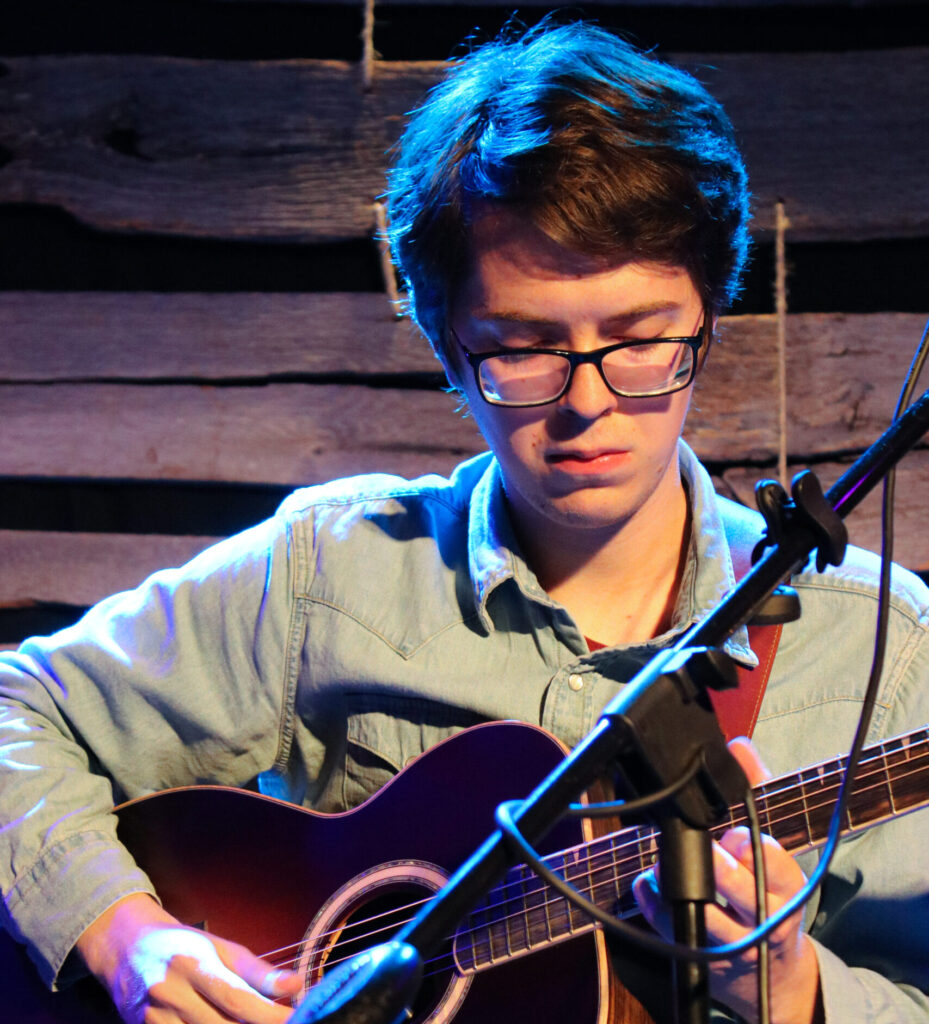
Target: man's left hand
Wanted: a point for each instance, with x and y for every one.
(795, 997)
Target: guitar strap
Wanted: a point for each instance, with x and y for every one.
(737, 710)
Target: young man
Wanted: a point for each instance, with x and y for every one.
(570, 217)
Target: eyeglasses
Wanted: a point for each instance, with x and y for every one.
(630, 369)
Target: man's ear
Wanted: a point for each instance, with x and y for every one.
(452, 372)
(709, 333)
(449, 355)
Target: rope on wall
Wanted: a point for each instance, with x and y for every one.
(387, 267)
(367, 46)
(781, 224)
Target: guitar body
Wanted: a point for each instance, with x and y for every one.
(260, 872)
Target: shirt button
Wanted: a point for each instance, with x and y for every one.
(576, 682)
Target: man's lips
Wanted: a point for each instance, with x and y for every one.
(599, 461)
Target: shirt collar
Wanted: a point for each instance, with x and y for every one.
(493, 552)
(708, 575)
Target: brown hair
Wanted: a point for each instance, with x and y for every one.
(610, 152)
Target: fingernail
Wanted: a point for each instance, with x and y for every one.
(272, 981)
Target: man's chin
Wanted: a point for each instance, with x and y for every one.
(601, 510)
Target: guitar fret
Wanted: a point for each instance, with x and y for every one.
(559, 916)
(601, 876)
(806, 810)
(465, 954)
(507, 922)
(616, 887)
(485, 938)
(791, 826)
(497, 941)
(867, 802)
(911, 782)
(575, 916)
(522, 877)
(888, 778)
(764, 814)
(821, 813)
(475, 938)
(548, 905)
(537, 913)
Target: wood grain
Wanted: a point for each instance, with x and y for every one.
(275, 432)
(280, 434)
(82, 568)
(911, 547)
(58, 336)
(122, 423)
(844, 378)
(844, 373)
(296, 149)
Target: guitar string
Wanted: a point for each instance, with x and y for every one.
(601, 847)
(486, 954)
(642, 833)
(602, 842)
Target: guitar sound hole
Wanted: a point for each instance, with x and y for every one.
(368, 911)
(378, 921)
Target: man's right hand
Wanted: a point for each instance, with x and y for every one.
(156, 969)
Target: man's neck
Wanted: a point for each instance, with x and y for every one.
(621, 587)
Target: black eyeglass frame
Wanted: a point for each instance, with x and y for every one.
(695, 342)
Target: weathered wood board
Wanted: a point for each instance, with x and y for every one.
(81, 568)
(120, 423)
(74, 336)
(243, 424)
(911, 538)
(274, 433)
(296, 149)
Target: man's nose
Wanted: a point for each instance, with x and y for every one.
(587, 395)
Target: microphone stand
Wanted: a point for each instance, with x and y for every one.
(648, 735)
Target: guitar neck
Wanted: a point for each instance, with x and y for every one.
(522, 914)
(892, 779)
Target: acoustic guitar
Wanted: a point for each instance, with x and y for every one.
(308, 890)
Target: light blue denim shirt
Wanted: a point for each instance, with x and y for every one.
(322, 650)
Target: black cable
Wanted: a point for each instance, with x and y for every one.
(761, 908)
(613, 807)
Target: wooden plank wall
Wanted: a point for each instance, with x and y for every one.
(192, 309)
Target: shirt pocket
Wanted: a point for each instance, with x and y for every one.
(385, 732)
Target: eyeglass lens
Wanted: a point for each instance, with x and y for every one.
(638, 370)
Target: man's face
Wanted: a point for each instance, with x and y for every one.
(590, 460)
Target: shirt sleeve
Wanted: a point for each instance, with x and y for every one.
(870, 919)
(871, 929)
(853, 994)
(181, 681)
(871, 926)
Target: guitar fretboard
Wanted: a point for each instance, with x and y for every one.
(523, 914)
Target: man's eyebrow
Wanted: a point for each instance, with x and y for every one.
(645, 309)
(513, 317)
(527, 320)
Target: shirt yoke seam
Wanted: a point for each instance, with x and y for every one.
(364, 625)
(359, 499)
(822, 702)
(290, 675)
(900, 604)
